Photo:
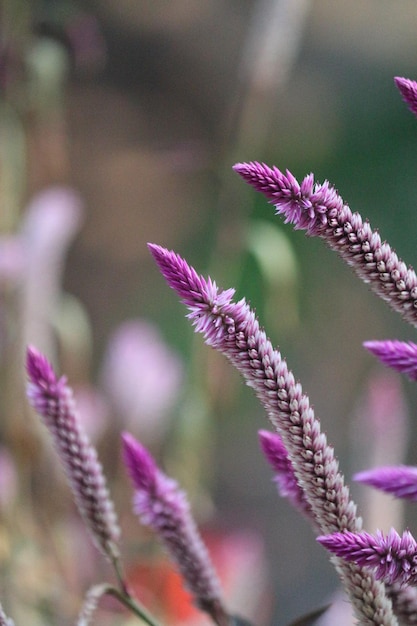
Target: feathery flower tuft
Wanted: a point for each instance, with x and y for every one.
(306, 205)
(400, 355)
(277, 455)
(320, 211)
(199, 295)
(393, 558)
(408, 90)
(400, 481)
(160, 504)
(52, 398)
(232, 328)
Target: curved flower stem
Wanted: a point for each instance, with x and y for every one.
(132, 604)
(124, 596)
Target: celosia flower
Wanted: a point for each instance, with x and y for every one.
(52, 398)
(160, 504)
(233, 329)
(320, 210)
(400, 355)
(408, 89)
(288, 487)
(393, 557)
(400, 481)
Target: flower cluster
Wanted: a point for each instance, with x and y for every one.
(320, 211)
(306, 470)
(379, 571)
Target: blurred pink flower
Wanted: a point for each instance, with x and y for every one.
(142, 377)
(52, 219)
(93, 409)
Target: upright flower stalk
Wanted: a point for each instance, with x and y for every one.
(161, 505)
(52, 398)
(320, 211)
(232, 328)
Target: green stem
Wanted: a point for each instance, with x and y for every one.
(124, 596)
(133, 605)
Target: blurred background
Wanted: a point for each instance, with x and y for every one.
(119, 125)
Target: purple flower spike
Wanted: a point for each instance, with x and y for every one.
(277, 455)
(393, 558)
(201, 296)
(307, 206)
(320, 211)
(160, 504)
(400, 481)
(408, 89)
(53, 400)
(400, 355)
(232, 328)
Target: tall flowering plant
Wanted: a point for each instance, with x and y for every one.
(378, 571)
(307, 471)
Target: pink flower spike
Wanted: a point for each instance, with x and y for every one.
(393, 558)
(163, 506)
(52, 398)
(408, 90)
(201, 296)
(277, 455)
(400, 481)
(306, 206)
(233, 329)
(400, 355)
(320, 211)
(136, 355)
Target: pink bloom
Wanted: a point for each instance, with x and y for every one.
(142, 377)
(400, 481)
(160, 504)
(288, 487)
(232, 328)
(52, 219)
(408, 89)
(320, 211)
(53, 400)
(393, 557)
(400, 355)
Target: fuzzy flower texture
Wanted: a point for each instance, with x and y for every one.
(52, 398)
(161, 505)
(306, 470)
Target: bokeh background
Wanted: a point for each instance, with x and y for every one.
(141, 109)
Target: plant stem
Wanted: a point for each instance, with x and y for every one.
(124, 596)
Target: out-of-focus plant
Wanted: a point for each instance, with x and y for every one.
(141, 376)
